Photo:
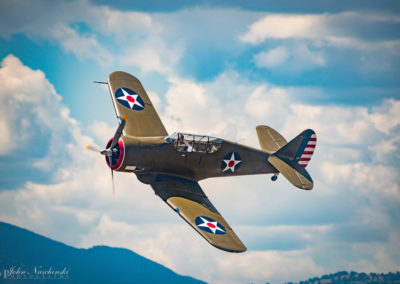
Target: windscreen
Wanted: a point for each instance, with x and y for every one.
(186, 142)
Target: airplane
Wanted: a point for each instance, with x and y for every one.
(173, 164)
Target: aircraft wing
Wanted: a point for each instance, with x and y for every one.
(188, 199)
(130, 99)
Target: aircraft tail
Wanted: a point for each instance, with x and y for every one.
(291, 158)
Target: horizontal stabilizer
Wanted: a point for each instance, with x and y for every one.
(291, 170)
(270, 140)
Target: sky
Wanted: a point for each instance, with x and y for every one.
(219, 68)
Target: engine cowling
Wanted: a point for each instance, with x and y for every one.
(118, 155)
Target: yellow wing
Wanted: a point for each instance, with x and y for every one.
(188, 199)
(130, 99)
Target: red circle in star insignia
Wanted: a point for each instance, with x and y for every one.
(211, 225)
(131, 99)
(231, 164)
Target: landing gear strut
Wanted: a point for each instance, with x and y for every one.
(274, 177)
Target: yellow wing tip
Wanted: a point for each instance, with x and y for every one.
(87, 146)
(124, 117)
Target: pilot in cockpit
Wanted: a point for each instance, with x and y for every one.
(181, 144)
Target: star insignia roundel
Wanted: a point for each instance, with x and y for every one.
(129, 99)
(231, 162)
(209, 225)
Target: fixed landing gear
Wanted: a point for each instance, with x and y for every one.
(274, 177)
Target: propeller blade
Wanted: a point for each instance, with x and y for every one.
(93, 148)
(112, 180)
(112, 174)
(118, 133)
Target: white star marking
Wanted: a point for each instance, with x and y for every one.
(131, 99)
(213, 226)
(231, 163)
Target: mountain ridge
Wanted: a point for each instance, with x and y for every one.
(28, 255)
(352, 277)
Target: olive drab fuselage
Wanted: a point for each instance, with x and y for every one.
(155, 154)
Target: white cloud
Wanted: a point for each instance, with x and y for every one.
(152, 54)
(368, 179)
(268, 104)
(61, 24)
(320, 29)
(299, 42)
(386, 116)
(101, 130)
(186, 102)
(386, 146)
(222, 107)
(271, 58)
(159, 41)
(83, 46)
(333, 124)
(309, 41)
(29, 104)
(155, 100)
(295, 59)
(5, 139)
(282, 26)
(269, 265)
(122, 24)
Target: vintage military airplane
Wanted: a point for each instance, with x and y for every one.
(173, 164)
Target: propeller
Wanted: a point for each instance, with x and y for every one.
(109, 152)
(112, 174)
(94, 148)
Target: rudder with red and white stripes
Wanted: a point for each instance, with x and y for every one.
(305, 154)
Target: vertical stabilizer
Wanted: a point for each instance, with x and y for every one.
(301, 148)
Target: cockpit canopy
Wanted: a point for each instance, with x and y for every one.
(185, 142)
